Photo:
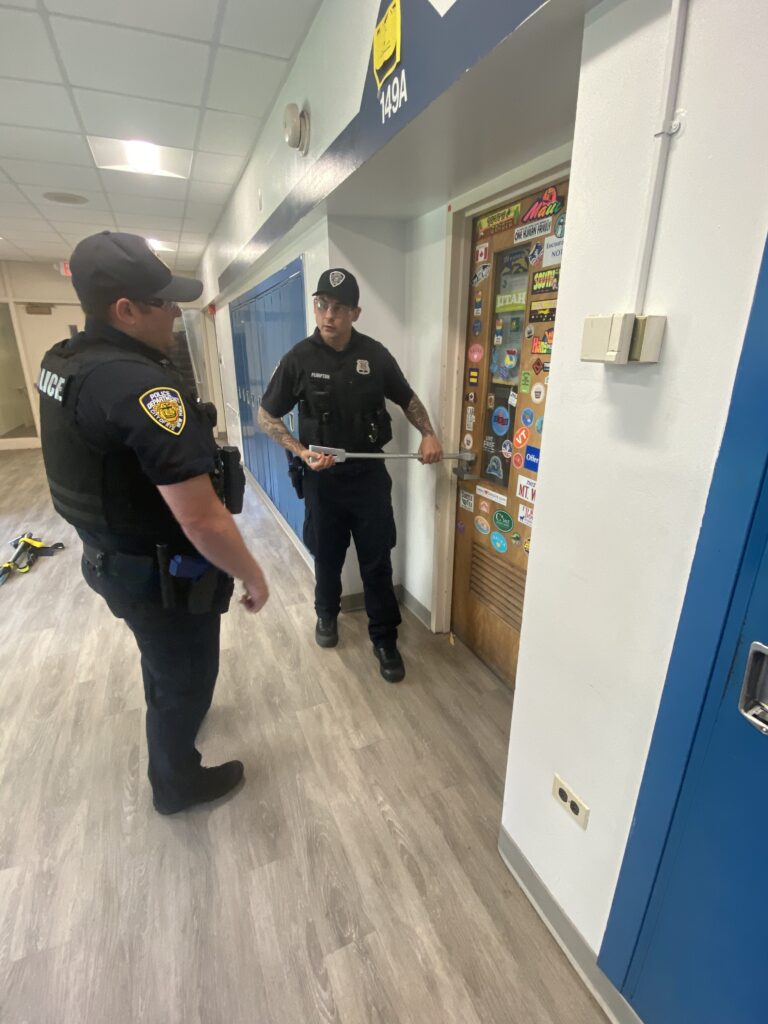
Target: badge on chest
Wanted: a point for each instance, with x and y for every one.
(363, 367)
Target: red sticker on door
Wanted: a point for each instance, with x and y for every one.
(476, 353)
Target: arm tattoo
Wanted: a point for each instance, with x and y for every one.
(277, 430)
(416, 414)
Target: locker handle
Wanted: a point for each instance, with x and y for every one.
(753, 699)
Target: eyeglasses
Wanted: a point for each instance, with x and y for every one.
(165, 304)
(334, 308)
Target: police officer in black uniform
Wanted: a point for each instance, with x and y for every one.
(340, 379)
(132, 464)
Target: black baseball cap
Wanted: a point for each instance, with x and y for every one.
(114, 265)
(339, 284)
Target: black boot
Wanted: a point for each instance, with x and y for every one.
(390, 660)
(209, 784)
(326, 632)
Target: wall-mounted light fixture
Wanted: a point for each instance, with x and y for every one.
(296, 128)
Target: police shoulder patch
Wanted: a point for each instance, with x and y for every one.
(165, 407)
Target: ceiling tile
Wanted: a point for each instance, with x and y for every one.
(177, 17)
(61, 177)
(166, 237)
(192, 250)
(10, 194)
(56, 249)
(126, 117)
(61, 215)
(202, 215)
(216, 167)
(194, 238)
(25, 51)
(38, 144)
(147, 206)
(12, 226)
(228, 133)
(96, 201)
(19, 211)
(194, 225)
(23, 239)
(11, 252)
(127, 183)
(36, 105)
(135, 63)
(135, 222)
(209, 192)
(82, 227)
(245, 83)
(276, 28)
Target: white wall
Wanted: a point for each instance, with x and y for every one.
(327, 77)
(38, 282)
(374, 250)
(426, 246)
(628, 453)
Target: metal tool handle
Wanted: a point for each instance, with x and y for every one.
(342, 455)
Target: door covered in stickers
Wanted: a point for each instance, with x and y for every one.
(515, 277)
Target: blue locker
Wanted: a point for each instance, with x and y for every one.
(266, 323)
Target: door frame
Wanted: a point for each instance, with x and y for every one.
(7, 296)
(704, 630)
(457, 271)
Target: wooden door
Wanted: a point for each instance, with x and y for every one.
(515, 276)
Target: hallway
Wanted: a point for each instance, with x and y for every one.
(355, 878)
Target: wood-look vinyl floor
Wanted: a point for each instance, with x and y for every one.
(355, 877)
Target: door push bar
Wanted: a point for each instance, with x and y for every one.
(462, 470)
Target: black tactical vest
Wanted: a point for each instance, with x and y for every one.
(102, 491)
(345, 407)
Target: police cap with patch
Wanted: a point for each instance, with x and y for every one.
(339, 284)
(113, 265)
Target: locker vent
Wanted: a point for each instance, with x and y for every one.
(498, 585)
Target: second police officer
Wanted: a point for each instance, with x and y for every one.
(132, 464)
(340, 380)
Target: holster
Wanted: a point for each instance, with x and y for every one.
(230, 478)
(296, 473)
(208, 592)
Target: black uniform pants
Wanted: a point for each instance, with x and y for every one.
(356, 503)
(179, 665)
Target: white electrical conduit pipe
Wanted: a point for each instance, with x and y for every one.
(669, 126)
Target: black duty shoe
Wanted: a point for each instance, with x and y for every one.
(211, 784)
(391, 662)
(326, 632)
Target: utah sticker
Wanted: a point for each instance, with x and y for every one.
(166, 407)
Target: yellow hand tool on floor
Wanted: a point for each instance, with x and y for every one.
(27, 550)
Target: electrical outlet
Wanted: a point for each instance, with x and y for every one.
(572, 804)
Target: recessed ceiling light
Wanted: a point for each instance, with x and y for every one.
(139, 157)
(67, 198)
(159, 246)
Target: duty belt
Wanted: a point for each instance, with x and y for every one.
(119, 563)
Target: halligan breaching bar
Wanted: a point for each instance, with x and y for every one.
(464, 459)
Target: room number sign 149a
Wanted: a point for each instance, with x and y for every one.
(394, 96)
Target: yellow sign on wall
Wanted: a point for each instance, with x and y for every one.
(387, 40)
